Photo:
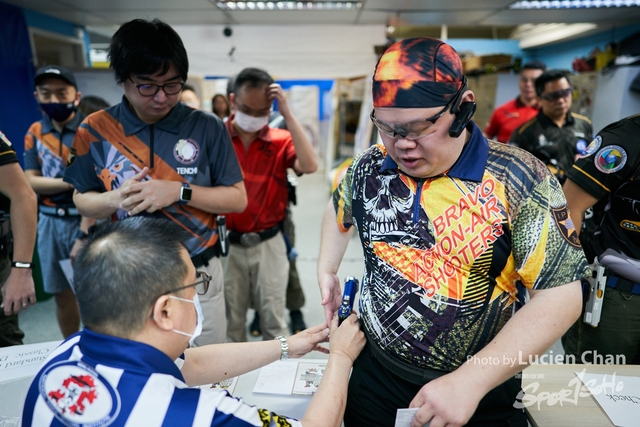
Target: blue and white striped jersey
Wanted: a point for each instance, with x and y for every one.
(99, 380)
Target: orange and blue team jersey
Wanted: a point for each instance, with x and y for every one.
(187, 145)
(446, 257)
(47, 150)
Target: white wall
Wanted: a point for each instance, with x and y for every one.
(286, 52)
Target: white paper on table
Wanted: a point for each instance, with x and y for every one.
(21, 361)
(308, 377)
(405, 416)
(276, 378)
(229, 385)
(618, 396)
(67, 270)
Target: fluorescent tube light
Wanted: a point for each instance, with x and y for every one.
(289, 5)
(572, 4)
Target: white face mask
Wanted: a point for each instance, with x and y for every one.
(199, 320)
(249, 123)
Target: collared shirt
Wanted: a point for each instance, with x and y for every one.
(556, 146)
(508, 117)
(264, 165)
(610, 172)
(96, 379)
(47, 150)
(187, 145)
(445, 257)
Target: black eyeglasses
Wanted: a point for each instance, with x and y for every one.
(554, 96)
(202, 285)
(150, 89)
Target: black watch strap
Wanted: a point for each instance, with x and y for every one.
(81, 235)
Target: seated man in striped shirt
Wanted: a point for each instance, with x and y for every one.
(138, 294)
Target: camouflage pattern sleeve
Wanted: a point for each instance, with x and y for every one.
(546, 247)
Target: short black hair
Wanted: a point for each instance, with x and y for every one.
(144, 48)
(550, 76)
(535, 65)
(230, 83)
(124, 267)
(90, 104)
(253, 77)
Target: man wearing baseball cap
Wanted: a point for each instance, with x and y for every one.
(455, 230)
(61, 229)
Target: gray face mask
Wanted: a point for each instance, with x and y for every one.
(199, 320)
(249, 123)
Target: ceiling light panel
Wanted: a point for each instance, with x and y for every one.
(573, 4)
(289, 5)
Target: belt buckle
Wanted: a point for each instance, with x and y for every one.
(61, 212)
(249, 239)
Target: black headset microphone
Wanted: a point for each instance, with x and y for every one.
(462, 110)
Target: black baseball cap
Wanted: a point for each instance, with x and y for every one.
(55, 71)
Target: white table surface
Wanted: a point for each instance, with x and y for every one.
(15, 381)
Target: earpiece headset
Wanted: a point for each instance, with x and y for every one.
(462, 110)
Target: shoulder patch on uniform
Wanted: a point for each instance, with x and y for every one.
(5, 139)
(269, 419)
(593, 146)
(565, 225)
(610, 159)
(78, 396)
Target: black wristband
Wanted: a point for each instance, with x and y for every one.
(81, 235)
(20, 264)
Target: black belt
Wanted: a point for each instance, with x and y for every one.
(59, 211)
(410, 373)
(203, 257)
(253, 238)
(621, 284)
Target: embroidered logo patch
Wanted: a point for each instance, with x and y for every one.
(186, 151)
(565, 225)
(593, 146)
(581, 147)
(610, 159)
(78, 396)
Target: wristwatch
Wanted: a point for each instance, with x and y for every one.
(185, 193)
(81, 235)
(284, 347)
(20, 264)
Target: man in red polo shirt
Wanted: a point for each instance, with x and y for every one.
(510, 115)
(257, 267)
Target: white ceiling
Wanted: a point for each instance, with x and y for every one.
(101, 13)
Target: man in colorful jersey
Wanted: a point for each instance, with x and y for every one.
(139, 299)
(153, 155)
(510, 115)
(61, 229)
(454, 229)
(608, 179)
(18, 218)
(257, 267)
(556, 136)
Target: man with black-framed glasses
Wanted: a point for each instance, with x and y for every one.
(138, 292)
(455, 231)
(153, 155)
(556, 135)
